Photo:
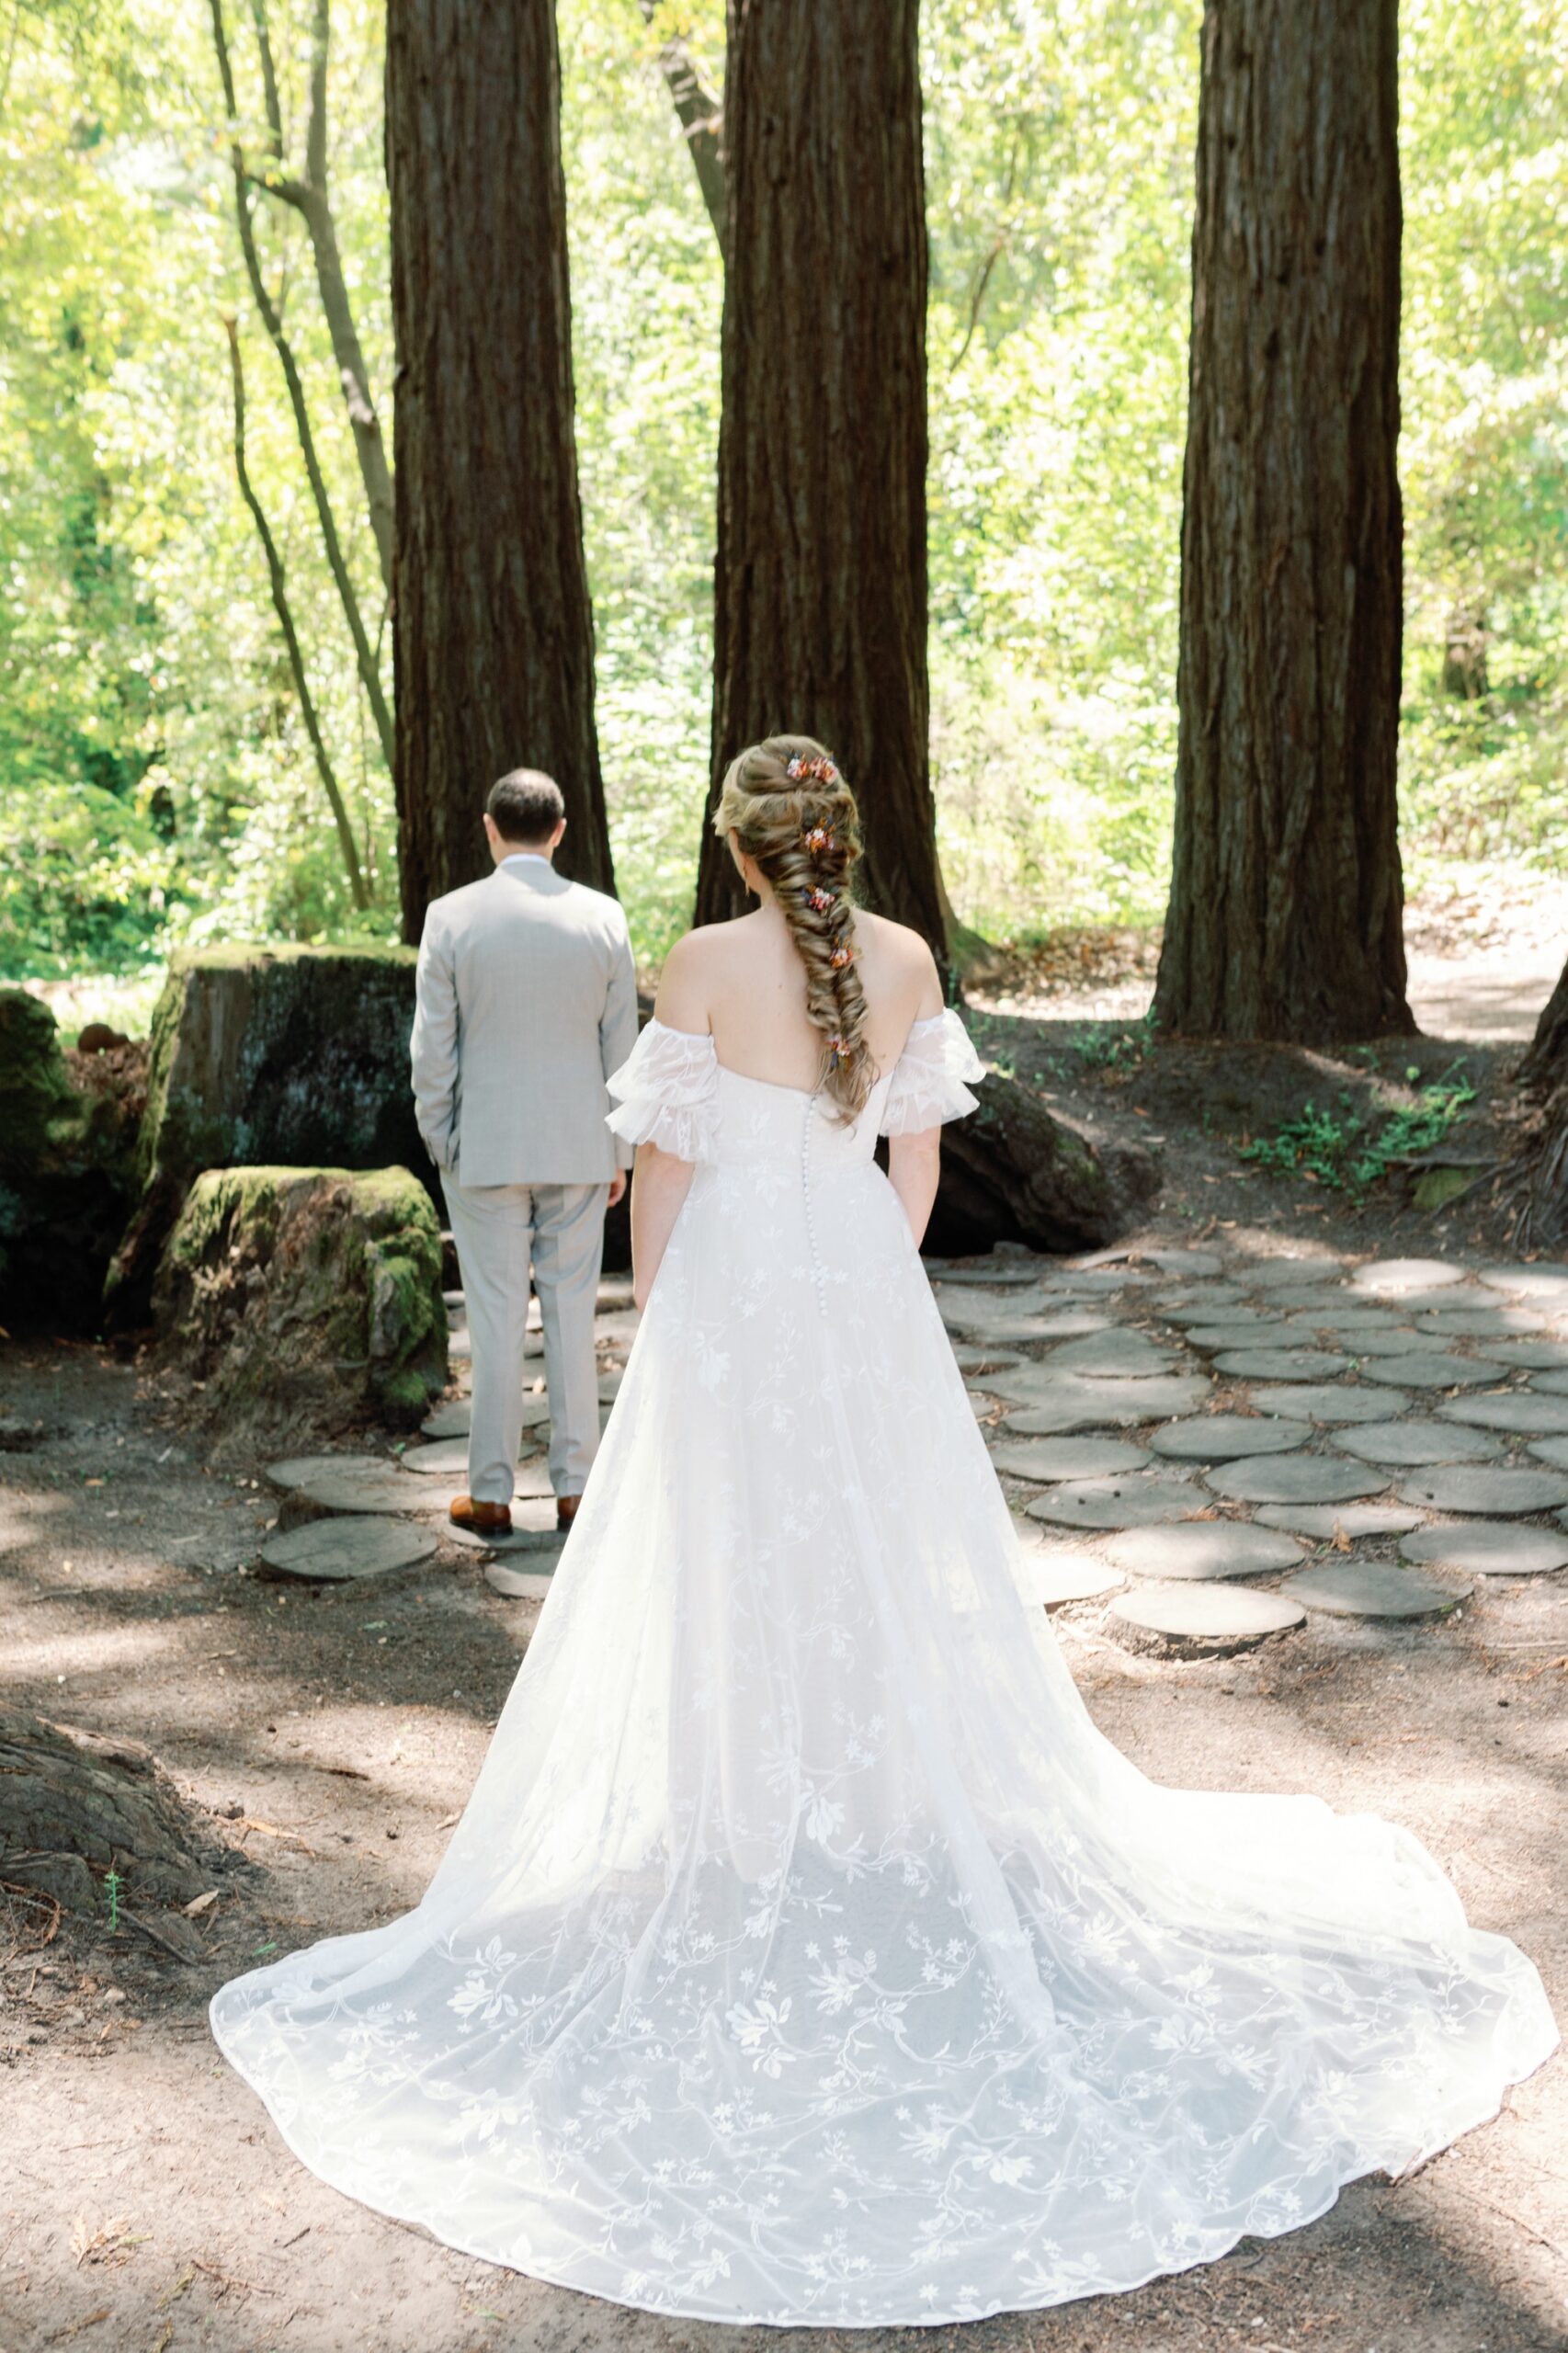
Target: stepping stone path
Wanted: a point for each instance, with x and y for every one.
(1118, 1503)
(1535, 1356)
(972, 1361)
(1202, 1551)
(1280, 1364)
(1434, 1372)
(1371, 1589)
(1488, 1548)
(374, 1487)
(1264, 1273)
(447, 1458)
(1326, 1401)
(1549, 1284)
(1067, 1458)
(1054, 1574)
(327, 1551)
(1223, 1437)
(1215, 1620)
(1486, 1324)
(1551, 1449)
(1505, 1493)
(1294, 1479)
(533, 1531)
(1327, 1522)
(1417, 1441)
(1257, 1331)
(1550, 1384)
(1524, 1415)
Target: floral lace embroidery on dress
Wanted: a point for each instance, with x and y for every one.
(804, 1955)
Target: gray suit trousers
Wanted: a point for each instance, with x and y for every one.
(502, 1232)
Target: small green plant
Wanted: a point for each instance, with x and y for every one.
(1103, 1047)
(112, 1885)
(1350, 1151)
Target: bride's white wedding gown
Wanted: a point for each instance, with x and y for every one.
(804, 1953)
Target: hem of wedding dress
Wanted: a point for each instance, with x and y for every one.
(926, 2317)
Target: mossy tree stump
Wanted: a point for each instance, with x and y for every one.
(74, 1806)
(306, 1296)
(66, 1172)
(268, 1056)
(1013, 1172)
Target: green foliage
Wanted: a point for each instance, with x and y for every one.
(1351, 1149)
(155, 785)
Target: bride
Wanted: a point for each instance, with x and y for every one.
(804, 1954)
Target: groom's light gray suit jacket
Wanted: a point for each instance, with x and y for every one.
(527, 1002)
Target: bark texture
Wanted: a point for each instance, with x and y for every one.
(1012, 1172)
(493, 632)
(821, 585)
(76, 1805)
(1286, 915)
(1537, 1182)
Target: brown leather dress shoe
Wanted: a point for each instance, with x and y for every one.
(485, 1519)
(566, 1511)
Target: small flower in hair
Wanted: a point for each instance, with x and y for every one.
(837, 1052)
(819, 899)
(800, 764)
(818, 839)
(840, 957)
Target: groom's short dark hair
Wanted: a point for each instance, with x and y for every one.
(526, 804)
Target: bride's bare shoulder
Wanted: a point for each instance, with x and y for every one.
(691, 970)
(903, 955)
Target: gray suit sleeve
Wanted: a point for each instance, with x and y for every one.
(434, 1046)
(617, 1023)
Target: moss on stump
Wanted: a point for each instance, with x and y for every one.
(306, 1296)
(265, 1055)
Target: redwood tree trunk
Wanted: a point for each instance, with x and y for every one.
(492, 631)
(821, 597)
(1286, 913)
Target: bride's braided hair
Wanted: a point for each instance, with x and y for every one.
(794, 817)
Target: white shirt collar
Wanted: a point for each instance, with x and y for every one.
(528, 856)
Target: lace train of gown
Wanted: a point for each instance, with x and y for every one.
(804, 1954)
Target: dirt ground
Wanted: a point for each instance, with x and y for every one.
(146, 2203)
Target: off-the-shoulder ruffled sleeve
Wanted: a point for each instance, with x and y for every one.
(928, 1077)
(666, 1093)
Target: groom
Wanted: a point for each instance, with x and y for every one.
(526, 1000)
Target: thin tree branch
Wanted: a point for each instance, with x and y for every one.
(310, 198)
(357, 885)
(701, 116)
(274, 325)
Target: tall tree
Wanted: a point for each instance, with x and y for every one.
(1285, 912)
(492, 632)
(819, 590)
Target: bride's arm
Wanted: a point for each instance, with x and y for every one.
(661, 1184)
(914, 1163)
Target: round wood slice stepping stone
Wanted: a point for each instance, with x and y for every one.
(1420, 1439)
(1438, 1371)
(1203, 1550)
(300, 1468)
(1263, 1273)
(374, 1488)
(1353, 1323)
(450, 1420)
(1550, 1450)
(1117, 1503)
(1225, 1437)
(1062, 1401)
(1547, 1283)
(1550, 1384)
(1312, 1299)
(1396, 1275)
(958, 1305)
(1488, 1548)
(1499, 1494)
(1206, 1306)
(538, 1543)
(1115, 1352)
(1535, 1356)
(1049, 1459)
(974, 1361)
(459, 1348)
(1243, 1332)
(985, 1408)
(327, 1550)
(1330, 1402)
(1280, 1364)
(1215, 1618)
(1521, 1413)
(1326, 1521)
(1055, 1574)
(1186, 1262)
(1294, 1479)
(1371, 1589)
(1486, 1324)
(444, 1458)
(1389, 1342)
